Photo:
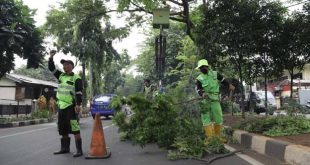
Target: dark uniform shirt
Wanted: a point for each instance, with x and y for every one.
(78, 83)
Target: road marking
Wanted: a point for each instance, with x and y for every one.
(108, 126)
(22, 133)
(244, 157)
(36, 130)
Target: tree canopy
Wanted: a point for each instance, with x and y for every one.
(18, 35)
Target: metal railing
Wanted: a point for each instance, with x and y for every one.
(15, 110)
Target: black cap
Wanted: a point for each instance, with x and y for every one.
(67, 61)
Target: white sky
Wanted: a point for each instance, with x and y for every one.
(131, 43)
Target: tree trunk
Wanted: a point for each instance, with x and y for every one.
(91, 93)
(187, 19)
(292, 83)
(265, 76)
(84, 101)
(250, 93)
(242, 90)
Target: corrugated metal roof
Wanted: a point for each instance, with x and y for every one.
(24, 79)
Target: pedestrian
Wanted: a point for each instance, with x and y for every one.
(148, 89)
(41, 103)
(52, 105)
(69, 96)
(208, 87)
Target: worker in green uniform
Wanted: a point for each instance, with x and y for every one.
(69, 99)
(208, 87)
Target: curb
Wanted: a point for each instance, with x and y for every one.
(85, 115)
(33, 122)
(25, 123)
(281, 150)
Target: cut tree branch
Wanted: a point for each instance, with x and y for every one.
(176, 2)
(177, 13)
(177, 19)
(139, 7)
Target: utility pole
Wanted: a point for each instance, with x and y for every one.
(160, 21)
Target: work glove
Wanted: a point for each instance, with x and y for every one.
(231, 87)
(77, 109)
(205, 96)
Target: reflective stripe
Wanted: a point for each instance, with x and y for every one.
(70, 87)
(65, 93)
(78, 93)
(74, 125)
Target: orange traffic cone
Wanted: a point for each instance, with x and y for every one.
(98, 148)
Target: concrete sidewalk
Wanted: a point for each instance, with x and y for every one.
(285, 151)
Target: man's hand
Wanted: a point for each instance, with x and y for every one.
(52, 53)
(231, 87)
(205, 96)
(77, 108)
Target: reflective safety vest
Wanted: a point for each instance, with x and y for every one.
(66, 90)
(210, 85)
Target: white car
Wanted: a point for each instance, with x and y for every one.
(258, 99)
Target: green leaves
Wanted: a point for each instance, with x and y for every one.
(18, 35)
(169, 125)
(82, 28)
(277, 126)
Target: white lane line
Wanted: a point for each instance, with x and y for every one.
(36, 130)
(244, 157)
(108, 126)
(22, 133)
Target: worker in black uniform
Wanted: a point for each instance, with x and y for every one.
(69, 99)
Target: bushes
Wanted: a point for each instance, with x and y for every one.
(35, 115)
(277, 126)
(41, 114)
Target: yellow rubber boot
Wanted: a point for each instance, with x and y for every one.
(218, 132)
(209, 131)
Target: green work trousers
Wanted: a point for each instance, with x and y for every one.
(211, 111)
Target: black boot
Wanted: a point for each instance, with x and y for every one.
(78, 144)
(65, 146)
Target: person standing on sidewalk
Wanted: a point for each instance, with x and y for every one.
(52, 105)
(69, 99)
(208, 87)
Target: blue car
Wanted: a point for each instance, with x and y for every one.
(100, 104)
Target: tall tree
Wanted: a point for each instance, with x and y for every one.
(79, 31)
(113, 76)
(236, 29)
(293, 44)
(39, 73)
(18, 35)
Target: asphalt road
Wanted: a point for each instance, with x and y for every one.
(34, 145)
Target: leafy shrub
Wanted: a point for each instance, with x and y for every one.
(277, 126)
(41, 114)
(292, 107)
